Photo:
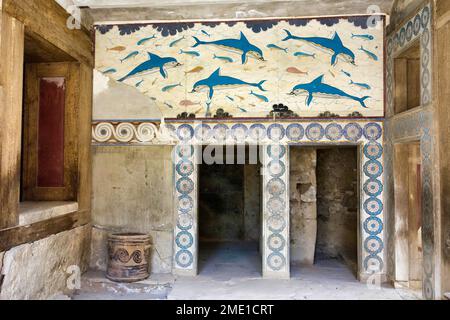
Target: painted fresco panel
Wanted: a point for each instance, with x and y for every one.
(245, 67)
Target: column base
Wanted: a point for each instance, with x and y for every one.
(276, 275)
(185, 272)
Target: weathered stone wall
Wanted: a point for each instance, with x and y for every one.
(337, 203)
(39, 270)
(132, 192)
(229, 206)
(303, 187)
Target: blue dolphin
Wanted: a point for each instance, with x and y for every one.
(334, 44)
(154, 62)
(215, 80)
(241, 44)
(317, 86)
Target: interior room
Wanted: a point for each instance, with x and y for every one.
(230, 215)
(324, 208)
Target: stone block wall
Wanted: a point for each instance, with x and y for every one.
(303, 201)
(324, 204)
(40, 270)
(337, 198)
(229, 206)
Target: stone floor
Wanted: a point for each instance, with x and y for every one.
(230, 271)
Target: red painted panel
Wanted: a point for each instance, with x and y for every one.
(50, 169)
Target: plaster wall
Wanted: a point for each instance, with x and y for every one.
(132, 192)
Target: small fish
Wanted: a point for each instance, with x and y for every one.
(170, 87)
(192, 53)
(205, 33)
(168, 105)
(304, 54)
(227, 59)
(242, 98)
(363, 36)
(370, 54)
(118, 49)
(188, 103)
(295, 70)
(259, 96)
(152, 98)
(242, 109)
(195, 70)
(139, 83)
(274, 46)
(111, 70)
(230, 98)
(362, 85)
(131, 55)
(142, 41)
(331, 72)
(154, 81)
(175, 42)
(346, 73)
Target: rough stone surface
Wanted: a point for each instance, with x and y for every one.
(132, 192)
(303, 185)
(337, 198)
(232, 271)
(213, 9)
(39, 270)
(229, 202)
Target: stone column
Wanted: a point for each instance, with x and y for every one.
(275, 211)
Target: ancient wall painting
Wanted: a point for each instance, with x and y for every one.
(245, 67)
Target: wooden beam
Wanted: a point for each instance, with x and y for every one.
(11, 87)
(46, 19)
(84, 138)
(17, 236)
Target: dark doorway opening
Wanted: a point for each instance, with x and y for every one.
(324, 210)
(229, 215)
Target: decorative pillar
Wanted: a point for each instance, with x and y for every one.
(275, 235)
(186, 215)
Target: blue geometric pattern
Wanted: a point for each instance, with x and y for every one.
(334, 132)
(275, 138)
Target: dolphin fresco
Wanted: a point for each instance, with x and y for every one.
(154, 62)
(317, 86)
(334, 44)
(241, 44)
(216, 80)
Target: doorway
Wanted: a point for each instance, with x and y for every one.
(324, 209)
(229, 215)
